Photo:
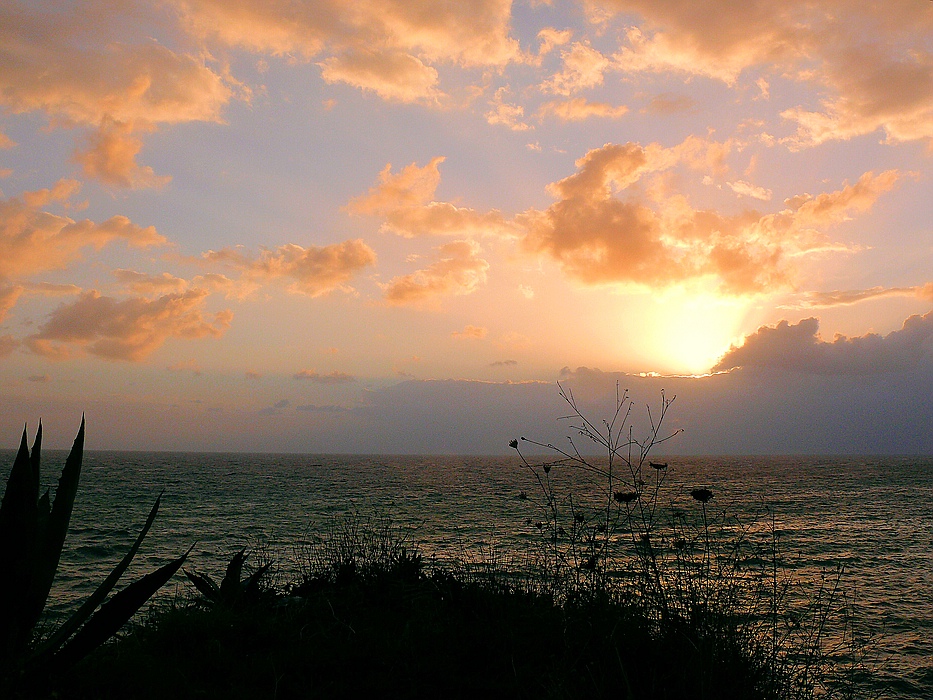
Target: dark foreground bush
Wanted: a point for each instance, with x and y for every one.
(390, 632)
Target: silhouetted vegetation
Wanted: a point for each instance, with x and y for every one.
(623, 596)
(32, 534)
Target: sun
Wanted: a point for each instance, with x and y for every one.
(690, 331)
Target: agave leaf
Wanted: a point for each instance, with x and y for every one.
(230, 586)
(19, 501)
(49, 551)
(18, 533)
(204, 584)
(117, 611)
(253, 581)
(96, 598)
(34, 460)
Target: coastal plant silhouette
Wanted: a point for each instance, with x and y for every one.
(32, 534)
(613, 527)
(232, 591)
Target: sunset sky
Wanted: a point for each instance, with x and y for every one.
(394, 225)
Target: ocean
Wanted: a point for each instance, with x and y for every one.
(871, 518)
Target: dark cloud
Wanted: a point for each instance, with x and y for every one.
(799, 348)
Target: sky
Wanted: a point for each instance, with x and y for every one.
(396, 225)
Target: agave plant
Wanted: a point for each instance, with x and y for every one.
(32, 534)
(231, 590)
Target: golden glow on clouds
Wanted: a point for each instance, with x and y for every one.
(285, 157)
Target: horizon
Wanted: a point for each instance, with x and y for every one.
(314, 225)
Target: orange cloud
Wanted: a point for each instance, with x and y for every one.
(471, 332)
(474, 34)
(150, 285)
(670, 103)
(583, 68)
(129, 329)
(66, 65)
(653, 239)
(316, 270)
(510, 115)
(330, 378)
(413, 186)
(579, 109)
(404, 201)
(817, 300)
(61, 192)
(799, 348)
(110, 156)
(872, 62)
(8, 297)
(393, 76)
(69, 69)
(6, 141)
(34, 241)
(7, 345)
(459, 270)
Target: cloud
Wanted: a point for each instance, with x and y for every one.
(62, 191)
(393, 76)
(473, 34)
(39, 378)
(604, 230)
(459, 270)
(799, 348)
(150, 285)
(35, 241)
(327, 408)
(185, 366)
(275, 409)
(69, 68)
(109, 155)
(670, 103)
(66, 65)
(747, 189)
(404, 200)
(583, 68)
(7, 345)
(128, 329)
(331, 378)
(410, 187)
(6, 141)
(579, 109)
(817, 300)
(386, 46)
(315, 270)
(506, 114)
(471, 332)
(8, 298)
(871, 63)
(503, 363)
(551, 38)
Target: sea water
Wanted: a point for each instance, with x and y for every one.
(870, 518)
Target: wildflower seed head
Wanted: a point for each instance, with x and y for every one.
(701, 495)
(547, 468)
(579, 517)
(625, 496)
(513, 444)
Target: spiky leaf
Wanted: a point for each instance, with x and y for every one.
(49, 548)
(117, 611)
(96, 598)
(205, 585)
(18, 549)
(230, 586)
